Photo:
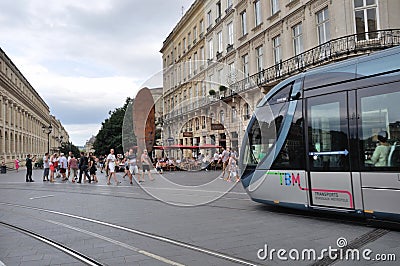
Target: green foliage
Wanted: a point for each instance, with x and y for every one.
(222, 88)
(66, 147)
(211, 92)
(110, 134)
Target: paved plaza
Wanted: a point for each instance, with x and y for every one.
(182, 218)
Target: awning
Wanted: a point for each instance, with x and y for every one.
(209, 146)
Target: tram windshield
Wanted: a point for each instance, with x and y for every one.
(263, 132)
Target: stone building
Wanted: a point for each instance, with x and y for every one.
(24, 117)
(224, 55)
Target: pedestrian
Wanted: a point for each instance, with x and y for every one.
(111, 167)
(159, 167)
(132, 162)
(28, 164)
(225, 160)
(101, 162)
(16, 162)
(73, 166)
(53, 158)
(145, 165)
(92, 167)
(233, 170)
(69, 168)
(46, 167)
(63, 163)
(83, 168)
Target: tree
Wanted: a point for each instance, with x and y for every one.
(110, 134)
(66, 147)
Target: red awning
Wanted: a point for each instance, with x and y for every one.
(209, 146)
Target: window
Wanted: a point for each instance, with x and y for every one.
(210, 49)
(184, 44)
(244, 23)
(323, 26)
(366, 19)
(291, 156)
(222, 117)
(259, 55)
(257, 12)
(202, 57)
(209, 19)
(220, 48)
(245, 63)
(203, 122)
(230, 33)
(234, 114)
(194, 33)
(297, 39)
(189, 40)
(263, 132)
(219, 12)
(229, 3)
(276, 46)
(274, 6)
(195, 59)
(379, 121)
(201, 26)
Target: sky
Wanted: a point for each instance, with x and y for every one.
(84, 58)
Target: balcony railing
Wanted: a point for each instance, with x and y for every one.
(333, 50)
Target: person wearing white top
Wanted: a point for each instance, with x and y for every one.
(111, 166)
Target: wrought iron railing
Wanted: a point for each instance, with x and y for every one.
(332, 50)
(337, 49)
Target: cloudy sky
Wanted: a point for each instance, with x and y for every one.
(85, 58)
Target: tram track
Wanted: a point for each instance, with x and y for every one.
(257, 207)
(145, 234)
(67, 250)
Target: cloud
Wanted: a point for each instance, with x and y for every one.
(86, 57)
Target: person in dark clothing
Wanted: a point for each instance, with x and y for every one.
(83, 167)
(28, 165)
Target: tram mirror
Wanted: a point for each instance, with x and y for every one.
(296, 96)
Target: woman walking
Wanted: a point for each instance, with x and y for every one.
(16, 162)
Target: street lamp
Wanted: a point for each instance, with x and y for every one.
(47, 130)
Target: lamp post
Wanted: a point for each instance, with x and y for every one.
(47, 130)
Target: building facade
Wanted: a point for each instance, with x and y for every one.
(224, 55)
(23, 114)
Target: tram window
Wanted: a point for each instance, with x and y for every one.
(263, 132)
(282, 95)
(327, 133)
(380, 127)
(291, 156)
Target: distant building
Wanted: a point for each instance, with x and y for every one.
(24, 117)
(89, 145)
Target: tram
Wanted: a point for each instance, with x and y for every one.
(329, 140)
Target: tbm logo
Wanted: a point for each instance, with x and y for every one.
(289, 179)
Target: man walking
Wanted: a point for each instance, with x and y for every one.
(111, 166)
(46, 167)
(83, 167)
(28, 165)
(63, 166)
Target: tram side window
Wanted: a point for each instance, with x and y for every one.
(263, 133)
(380, 127)
(291, 156)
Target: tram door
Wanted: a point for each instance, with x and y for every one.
(328, 151)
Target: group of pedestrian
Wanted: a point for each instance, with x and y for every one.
(85, 167)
